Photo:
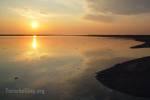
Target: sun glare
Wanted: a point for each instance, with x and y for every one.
(34, 24)
(34, 42)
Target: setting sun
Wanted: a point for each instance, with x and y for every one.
(34, 24)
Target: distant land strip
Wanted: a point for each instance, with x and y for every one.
(142, 38)
(75, 35)
(145, 38)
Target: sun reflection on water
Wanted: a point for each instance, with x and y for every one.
(35, 52)
(34, 42)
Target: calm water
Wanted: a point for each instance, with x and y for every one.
(62, 68)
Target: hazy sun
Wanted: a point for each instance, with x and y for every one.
(34, 24)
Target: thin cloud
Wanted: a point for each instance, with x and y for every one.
(121, 7)
(99, 17)
(30, 14)
(116, 7)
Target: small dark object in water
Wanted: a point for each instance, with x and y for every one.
(132, 77)
(16, 78)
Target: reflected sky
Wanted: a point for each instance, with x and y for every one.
(65, 67)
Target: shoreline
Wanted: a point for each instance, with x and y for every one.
(142, 38)
(131, 77)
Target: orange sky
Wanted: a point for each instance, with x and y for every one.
(70, 17)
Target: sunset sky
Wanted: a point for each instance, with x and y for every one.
(75, 16)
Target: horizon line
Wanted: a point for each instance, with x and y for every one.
(94, 35)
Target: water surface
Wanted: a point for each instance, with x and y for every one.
(64, 67)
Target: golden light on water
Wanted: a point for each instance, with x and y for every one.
(34, 42)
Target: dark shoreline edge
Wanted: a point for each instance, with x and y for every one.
(131, 77)
(124, 36)
(142, 38)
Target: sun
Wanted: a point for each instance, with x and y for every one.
(34, 24)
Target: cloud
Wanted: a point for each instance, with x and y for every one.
(122, 7)
(99, 17)
(116, 7)
(30, 13)
(42, 14)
